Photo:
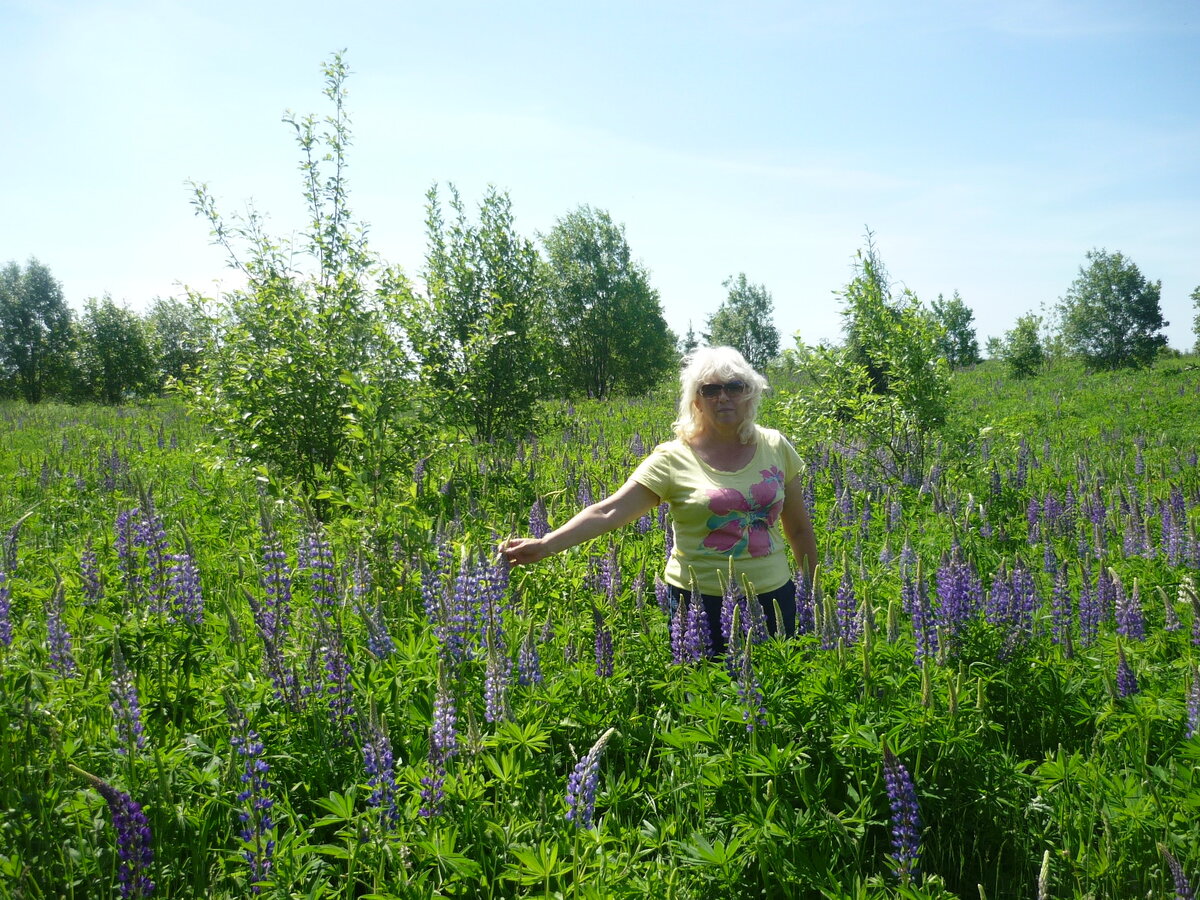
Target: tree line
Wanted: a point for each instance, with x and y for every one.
(106, 354)
(328, 353)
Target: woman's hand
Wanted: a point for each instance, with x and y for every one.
(523, 551)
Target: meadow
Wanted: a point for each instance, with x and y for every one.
(209, 692)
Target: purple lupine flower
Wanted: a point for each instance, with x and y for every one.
(443, 735)
(698, 633)
(539, 522)
(127, 709)
(583, 493)
(805, 622)
(336, 685)
(128, 561)
(1062, 615)
(135, 845)
(1090, 614)
(496, 674)
(754, 712)
(1193, 704)
(529, 661)
(604, 645)
(581, 786)
(380, 765)
(316, 555)
(914, 596)
(257, 831)
(1130, 622)
(662, 596)
(1183, 888)
(1127, 684)
(848, 624)
(1106, 593)
(151, 537)
(958, 591)
(5, 612)
(62, 660)
(906, 816)
(433, 793)
(187, 602)
(89, 570)
(679, 632)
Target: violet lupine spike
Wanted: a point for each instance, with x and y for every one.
(603, 645)
(848, 624)
(905, 816)
(135, 844)
(1127, 683)
(1130, 622)
(662, 596)
(1062, 615)
(89, 571)
(5, 612)
(380, 766)
(805, 623)
(337, 668)
(433, 793)
(754, 712)
(255, 803)
(1183, 888)
(1090, 614)
(187, 602)
(62, 659)
(698, 633)
(128, 559)
(126, 707)
(539, 522)
(529, 661)
(679, 630)
(496, 675)
(582, 784)
(443, 734)
(150, 535)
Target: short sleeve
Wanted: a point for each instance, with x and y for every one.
(655, 472)
(793, 465)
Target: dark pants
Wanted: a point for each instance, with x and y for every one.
(784, 596)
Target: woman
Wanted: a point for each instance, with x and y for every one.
(734, 492)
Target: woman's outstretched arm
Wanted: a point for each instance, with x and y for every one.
(626, 505)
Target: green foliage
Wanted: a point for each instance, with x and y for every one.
(886, 387)
(611, 336)
(1023, 353)
(35, 332)
(113, 353)
(275, 384)
(1196, 319)
(480, 335)
(959, 344)
(179, 334)
(1111, 315)
(745, 321)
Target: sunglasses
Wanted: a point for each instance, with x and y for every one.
(731, 388)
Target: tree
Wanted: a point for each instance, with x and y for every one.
(611, 334)
(479, 335)
(689, 341)
(303, 351)
(1111, 314)
(994, 347)
(1196, 320)
(887, 387)
(178, 334)
(959, 344)
(35, 330)
(114, 356)
(745, 321)
(1023, 352)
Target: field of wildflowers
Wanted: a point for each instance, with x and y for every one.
(208, 692)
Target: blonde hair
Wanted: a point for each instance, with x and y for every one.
(710, 364)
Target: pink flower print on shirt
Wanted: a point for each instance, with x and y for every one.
(739, 523)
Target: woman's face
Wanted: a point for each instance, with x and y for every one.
(720, 403)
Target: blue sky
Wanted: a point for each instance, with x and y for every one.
(988, 145)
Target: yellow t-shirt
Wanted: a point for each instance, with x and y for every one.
(718, 516)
